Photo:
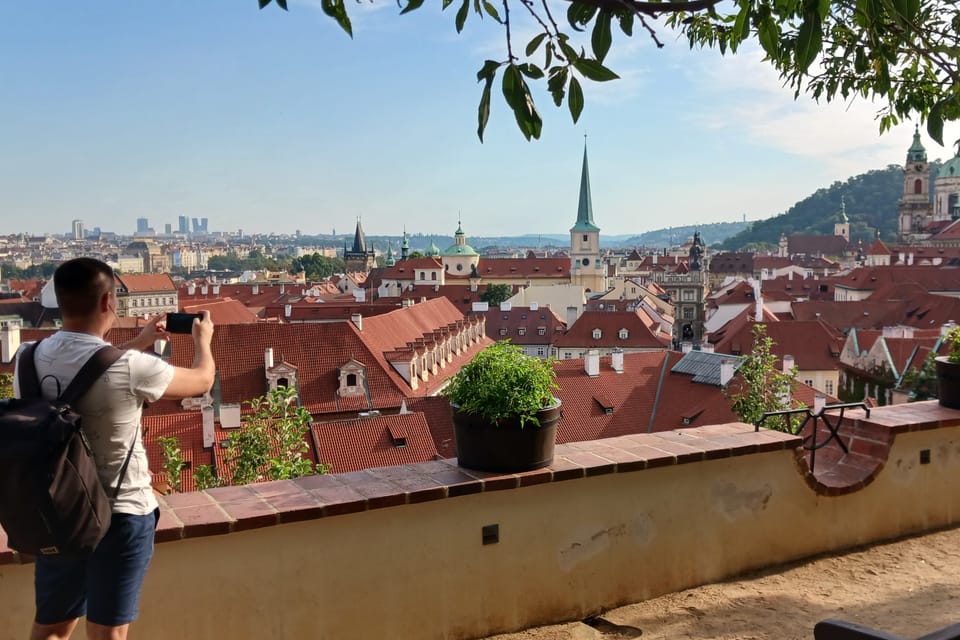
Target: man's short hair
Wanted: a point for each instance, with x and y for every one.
(79, 285)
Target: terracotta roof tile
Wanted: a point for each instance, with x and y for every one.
(146, 282)
(364, 443)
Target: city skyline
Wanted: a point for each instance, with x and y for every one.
(274, 121)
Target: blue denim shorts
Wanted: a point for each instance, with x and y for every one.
(105, 585)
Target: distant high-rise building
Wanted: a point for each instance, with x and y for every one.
(184, 224)
(168, 228)
(143, 225)
(203, 224)
(199, 225)
(78, 230)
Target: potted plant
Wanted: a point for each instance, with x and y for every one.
(948, 371)
(504, 412)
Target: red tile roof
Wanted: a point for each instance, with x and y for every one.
(187, 428)
(529, 268)
(146, 282)
(814, 345)
(643, 332)
(365, 443)
(523, 326)
(225, 311)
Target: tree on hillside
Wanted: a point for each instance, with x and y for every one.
(903, 53)
(496, 293)
(318, 267)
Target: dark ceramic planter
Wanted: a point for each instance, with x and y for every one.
(948, 383)
(505, 448)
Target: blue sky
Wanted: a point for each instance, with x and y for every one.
(274, 121)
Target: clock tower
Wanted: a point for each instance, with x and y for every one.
(586, 267)
(916, 210)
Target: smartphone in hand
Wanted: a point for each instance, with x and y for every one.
(181, 322)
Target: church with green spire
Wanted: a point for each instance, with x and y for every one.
(587, 269)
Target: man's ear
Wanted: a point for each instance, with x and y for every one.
(105, 303)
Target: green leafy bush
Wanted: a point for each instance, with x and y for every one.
(503, 382)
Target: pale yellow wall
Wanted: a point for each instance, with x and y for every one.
(566, 550)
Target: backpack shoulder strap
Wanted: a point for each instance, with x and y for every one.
(27, 372)
(91, 370)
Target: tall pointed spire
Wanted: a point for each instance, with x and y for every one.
(585, 207)
(359, 240)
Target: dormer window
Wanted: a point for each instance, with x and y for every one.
(596, 334)
(624, 334)
(503, 331)
(522, 331)
(541, 331)
(352, 379)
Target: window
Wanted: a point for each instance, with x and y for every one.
(423, 275)
(351, 379)
(828, 386)
(918, 186)
(459, 267)
(585, 262)
(541, 331)
(567, 355)
(584, 237)
(809, 383)
(522, 331)
(688, 313)
(624, 334)
(597, 334)
(688, 294)
(541, 351)
(503, 331)
(433, 275)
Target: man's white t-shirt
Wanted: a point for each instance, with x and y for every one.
(111, 409)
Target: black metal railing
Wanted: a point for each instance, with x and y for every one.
(832, 421)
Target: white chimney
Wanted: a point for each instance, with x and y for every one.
(9, 341)
(819, 402)
(506, 306)
(616, 360)
(706, 347)
(191, 289)
(230, 415)
(686, 347)
(207, 413)
(788, 364)
(908, 333)
(357, 319)
(726, 371)
(910, 259)
(534, 306)
(287, 310)
(282, 288)
(256, 289)
(758, 297)
(947, 328)
(204, 289)
(790, 275)
(406, 302)
(591, 363)
(268, 358)
(902, 257)
(655, 256)
(216, 289)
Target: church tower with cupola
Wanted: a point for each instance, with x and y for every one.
(915, 211)
(586, 267)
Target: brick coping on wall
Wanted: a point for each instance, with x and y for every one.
(230, 509)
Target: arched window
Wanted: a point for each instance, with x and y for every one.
(918, 186)
(282, 382)
(433, 275)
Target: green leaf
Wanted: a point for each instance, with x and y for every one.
(935, 122)
(488, 70)
(517, 95)
(579, 15)
(594, 70)
(336, 10)
(532, 71)
(741, 28)
(769, 35)
(602, 36)
(446, 3)
(809, 41)
(575, 99)
(462, 15)
(483, 111)
(412, 5)
(626, 23)
(282, 4)
(533, 44)
(557, 83)
(264, 3)
(491, 10)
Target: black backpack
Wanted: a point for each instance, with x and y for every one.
(51, 498)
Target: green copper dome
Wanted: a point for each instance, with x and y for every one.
(460, 250)
(432, 251)
(916, 152)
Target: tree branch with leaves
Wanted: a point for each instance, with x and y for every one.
(902, 53)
